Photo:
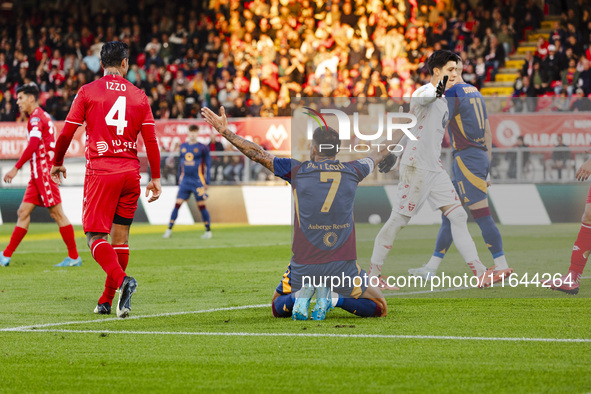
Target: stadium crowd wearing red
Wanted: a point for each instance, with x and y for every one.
(252, 56)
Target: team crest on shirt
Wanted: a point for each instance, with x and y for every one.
(34, 121)
(411, 206)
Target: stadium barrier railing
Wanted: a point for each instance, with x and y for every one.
(509, 165)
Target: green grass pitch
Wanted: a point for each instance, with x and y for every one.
(188, 332)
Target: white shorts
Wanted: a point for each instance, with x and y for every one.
(417, 186)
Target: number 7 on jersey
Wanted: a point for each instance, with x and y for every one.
(334, 186)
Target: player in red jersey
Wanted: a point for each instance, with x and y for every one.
(115, 112)
(40, 190)
(570, 282)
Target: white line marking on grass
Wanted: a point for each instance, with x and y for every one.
(232, 308)
(286, 334)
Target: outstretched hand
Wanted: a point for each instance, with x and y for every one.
(56, 172)
(388, 163)
(217, 122)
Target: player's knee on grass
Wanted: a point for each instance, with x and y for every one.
(282, 305)
(362, 307)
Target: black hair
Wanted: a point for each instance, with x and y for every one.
(439, 59)
(113, 53)
(193, 127)
(29, 88)
(327, 141)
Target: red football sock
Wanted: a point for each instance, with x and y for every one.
(15, 239)
(105, 255)
(581, 250)
(67, 233)
(109, 292)
(122, 255)
(110, 286)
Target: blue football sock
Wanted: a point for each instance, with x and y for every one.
(444, 238)
(175, 214)
(205, 217)
(283, 305)
(360, 307)
(490, 231)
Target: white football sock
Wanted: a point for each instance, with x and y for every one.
(434, 263)
(501, 263)
(460, 234)
(477, 267)
(385, 238)
(334, 298)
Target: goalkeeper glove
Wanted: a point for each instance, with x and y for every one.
(387, 163)
(440, 89)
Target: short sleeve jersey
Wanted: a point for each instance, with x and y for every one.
(114, 111)
(324, 193)
(467, 116)
(194, 164)
(40, 126)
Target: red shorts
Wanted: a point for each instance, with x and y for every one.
(42, 192)
(106, 196)
(589, 196)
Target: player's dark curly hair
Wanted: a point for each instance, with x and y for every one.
(113, 53)
(30, 88)
(327, 140)
(439, 59)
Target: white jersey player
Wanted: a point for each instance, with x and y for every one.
(422, 176)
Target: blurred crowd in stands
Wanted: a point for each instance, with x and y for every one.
(251, 56)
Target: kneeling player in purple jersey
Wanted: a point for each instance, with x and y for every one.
(324, 249)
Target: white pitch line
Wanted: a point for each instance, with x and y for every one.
(286, 334)
(232, 308)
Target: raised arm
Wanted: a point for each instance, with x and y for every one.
(250, 149)
(378, 156)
